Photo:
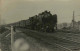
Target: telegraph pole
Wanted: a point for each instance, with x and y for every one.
(73, 19)
(12, 38)
(0, 20)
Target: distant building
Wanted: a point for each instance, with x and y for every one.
(63, 25)
(75, 25)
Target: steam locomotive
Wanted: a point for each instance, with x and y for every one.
(45, 22)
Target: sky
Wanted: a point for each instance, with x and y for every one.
(16, 10)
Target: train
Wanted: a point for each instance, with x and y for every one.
(45, 22)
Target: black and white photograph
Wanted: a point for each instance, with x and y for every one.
(39, 25)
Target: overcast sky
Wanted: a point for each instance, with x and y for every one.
(15, 10)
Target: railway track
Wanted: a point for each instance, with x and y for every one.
(53, 41)
(57, 44)
(3, 35)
